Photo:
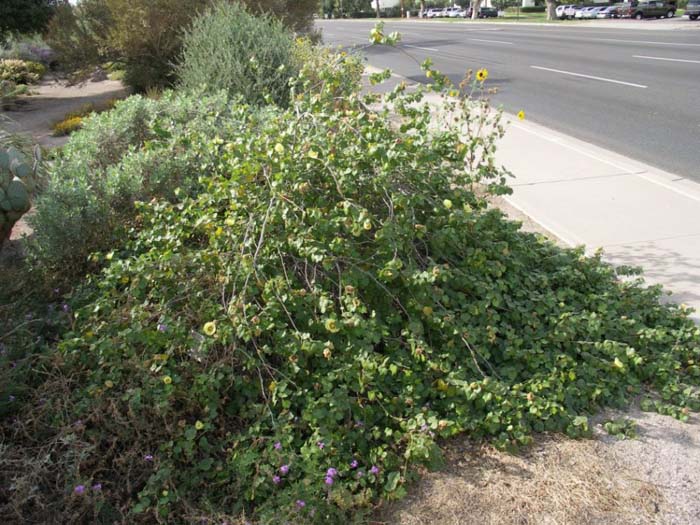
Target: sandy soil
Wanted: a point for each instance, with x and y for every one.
(51, 101)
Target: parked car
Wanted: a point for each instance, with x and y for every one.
(593, 13)
(561, 11)
(433, 13)
(484, 12)
(452, 12)
(609, 12)
(693, 9)
(649, 9)
(570, 11)
(584, 12)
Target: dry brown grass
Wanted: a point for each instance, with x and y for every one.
(556, 481)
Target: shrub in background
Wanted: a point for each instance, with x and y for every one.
(31, 48)
(73, 120)
(141, 149)
(317, 77)
(146, 35)
(21, 71)
(67, 126)
(227, 48)
(9, 91)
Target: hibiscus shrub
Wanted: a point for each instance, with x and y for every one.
(285, 343)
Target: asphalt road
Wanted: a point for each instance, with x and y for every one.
(636, 92)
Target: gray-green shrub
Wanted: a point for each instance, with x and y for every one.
(229, 48)
(142, 149)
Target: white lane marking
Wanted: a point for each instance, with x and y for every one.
(602, 79)
(647, 42)
(492, 41)
(669, 59)
(418, 47)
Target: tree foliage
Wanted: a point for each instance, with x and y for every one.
(26, 16)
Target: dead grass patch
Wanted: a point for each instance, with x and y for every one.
(556, 481)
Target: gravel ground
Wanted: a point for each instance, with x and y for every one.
(666, 454)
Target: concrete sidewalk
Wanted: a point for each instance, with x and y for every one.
(586, 195)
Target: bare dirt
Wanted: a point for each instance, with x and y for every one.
(51, 100)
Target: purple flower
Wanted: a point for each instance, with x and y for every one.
(97, 487)
(11, 398)
(320, 444)
(276, 480)
(331, 472)
(278, 446)
(148, 457)
(354, 463)
(424, 427)
(162, 327)
(360, 474)
(301, 503)
(284, 469)
(80, 489)
(374, 470)
(65, 307)
(359, 424)
(329, 481)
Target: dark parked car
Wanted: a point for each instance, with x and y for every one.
(484, 12)
(693, 9)
(649, 9)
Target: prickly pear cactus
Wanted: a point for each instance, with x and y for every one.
(18, 182)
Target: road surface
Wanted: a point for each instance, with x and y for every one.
(636, 92)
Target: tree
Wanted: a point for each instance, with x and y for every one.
(551, 9)
(26, 16)
(476, 5)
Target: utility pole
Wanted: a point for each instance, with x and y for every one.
(376, 5)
